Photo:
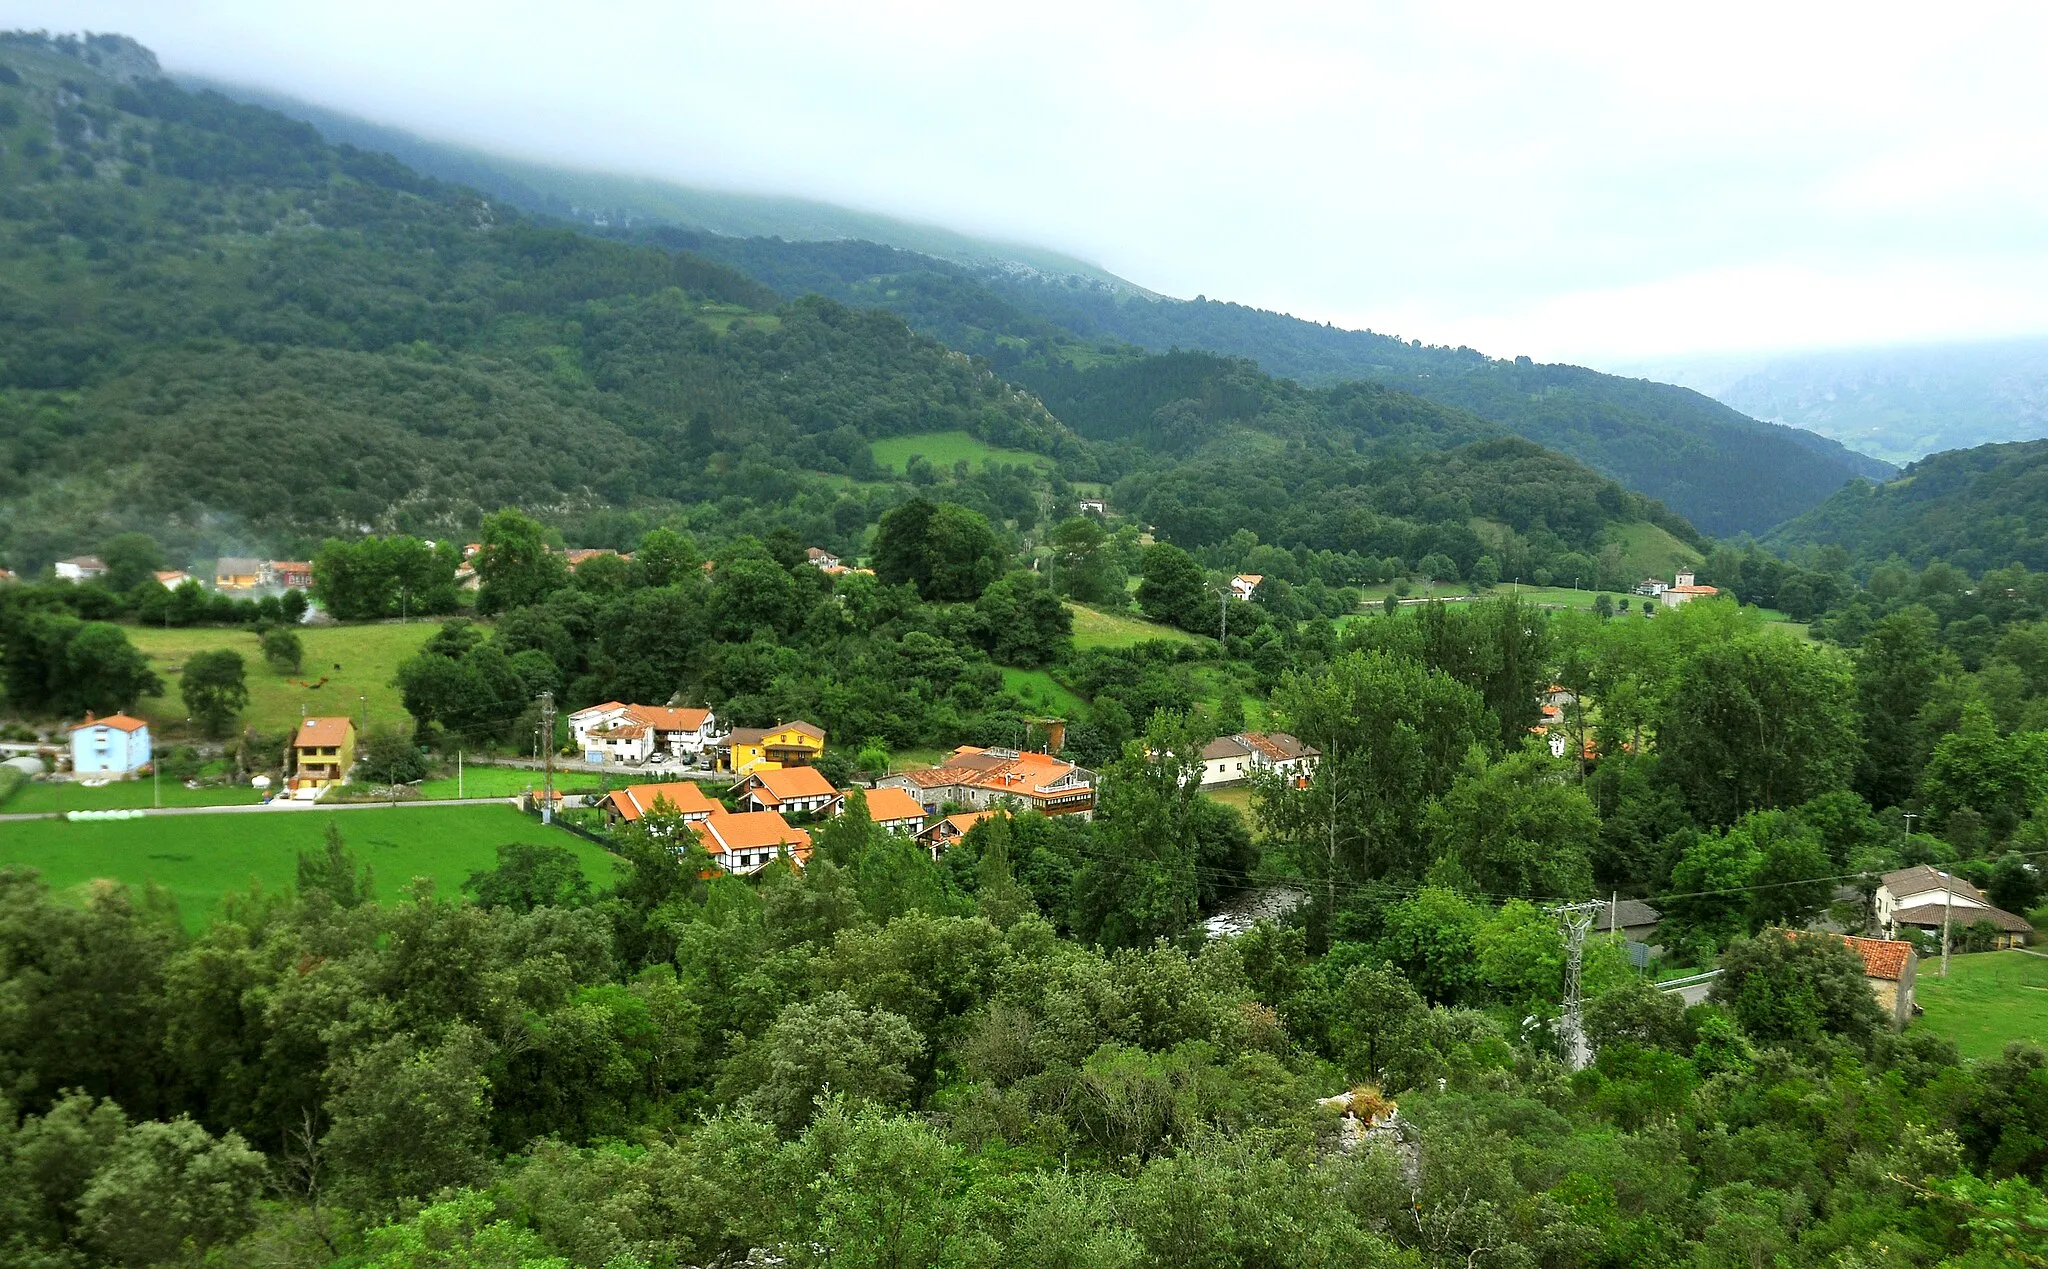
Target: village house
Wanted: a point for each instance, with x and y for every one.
(821, 558)
(1683, 591)
(322, 753)
(637, 801)
(80, 568)
(171, 578)
(1245, 585)
(1632, 919)
(1093, 507)
(617, 732)
(943, 832)
(747, 842)
(288, 574)
(789, 791)
(746, 749)
(895, 811)
(1233, 759)
(623, 741)
(576, 557)
(1652, 586)
(1921, 898)
(237, 572)
(114, 745)
(981, 779)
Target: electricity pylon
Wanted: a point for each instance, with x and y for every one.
(1574, 920)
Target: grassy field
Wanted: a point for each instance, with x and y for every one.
(367, 657)
(943, 449)
(1987, 999)
(199, 858)
(1096, 629)
(1648, 551)
(40, 798)
(1037, 685)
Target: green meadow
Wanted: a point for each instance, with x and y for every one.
(199, 858)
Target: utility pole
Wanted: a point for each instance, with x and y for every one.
(1574, 920)
(547, 763)
(1948, 906)
(458, 775)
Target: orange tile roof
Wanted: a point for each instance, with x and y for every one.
(662, 718)
(1882, 958)
(1692, 590)
(119, 722)
(636, 800)
(885, 805)
(322, 731)
(724, 832)
(793, 782)
(957, 825)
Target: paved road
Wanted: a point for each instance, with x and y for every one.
(281, 807)
(576, 766)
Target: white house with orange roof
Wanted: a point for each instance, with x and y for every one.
(789, 791)
(895, 811)
(1245, 585)
(747, 842)
(943, 832)
(115, 745)
(683, 798)
(981, 779)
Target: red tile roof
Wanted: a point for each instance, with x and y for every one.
(1882, 958)
(786, 783)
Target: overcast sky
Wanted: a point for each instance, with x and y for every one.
(1595, 182)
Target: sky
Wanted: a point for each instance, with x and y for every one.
(1603, 183)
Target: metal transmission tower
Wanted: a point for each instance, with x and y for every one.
(1574, 920)
(547, 761)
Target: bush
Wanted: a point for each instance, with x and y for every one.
(282, 649)
(11, 781)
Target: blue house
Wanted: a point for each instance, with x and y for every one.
(114, 745)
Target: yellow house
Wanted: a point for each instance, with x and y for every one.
(322, 752)
(236, 572)
(747, 749)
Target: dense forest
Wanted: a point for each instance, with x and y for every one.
(1726, 472)
(1975, 509)
(210, 314)
(1723, 471)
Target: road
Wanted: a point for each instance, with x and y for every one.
(283, 807)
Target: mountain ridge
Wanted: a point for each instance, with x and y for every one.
(1655, 438)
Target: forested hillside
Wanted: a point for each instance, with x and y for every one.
(225, 331)
(1977, 509)
(1723, 471)
(1726, 472)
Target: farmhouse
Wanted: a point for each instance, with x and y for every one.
(80, 568)
(944, 832)
(237, 572)
(1922, 898)
(616, 732)
(895, 811)
(322, 753)
(114, 745)
(986, 778)
(1631, 918)
(746, 749)
(636, 801)
(789, 790)
(1245, 585)
(1233, 759)
(821, 558)
(745, 843)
